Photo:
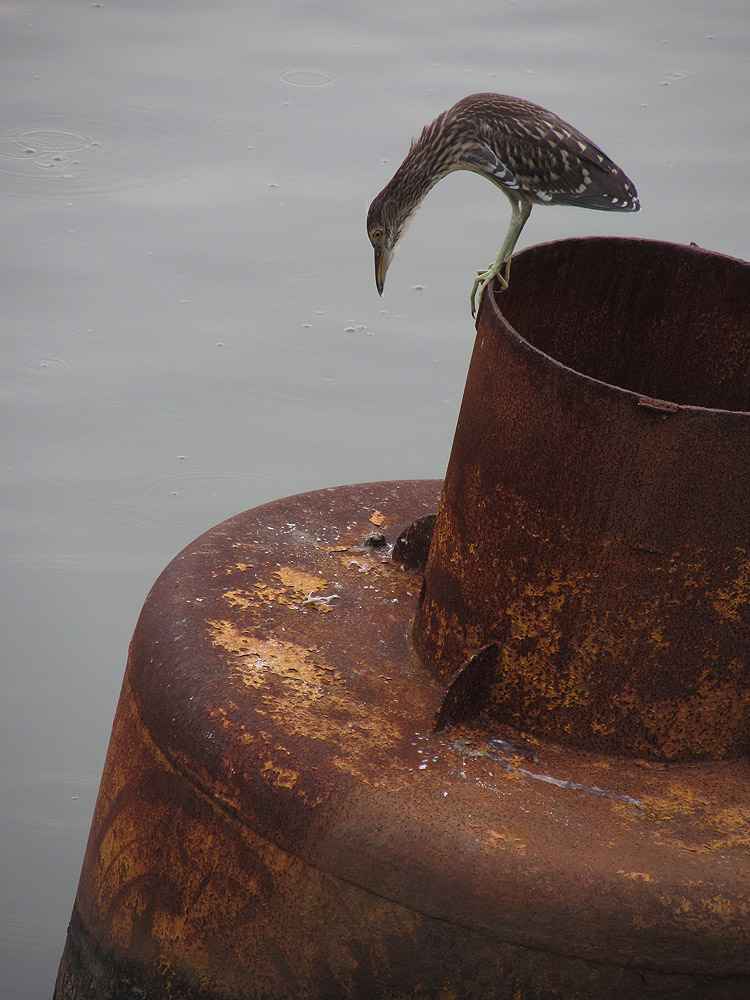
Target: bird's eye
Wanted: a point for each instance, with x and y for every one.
(376, 235)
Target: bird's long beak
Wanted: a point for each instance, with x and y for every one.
(382, 260)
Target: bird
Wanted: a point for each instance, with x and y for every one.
(531, 154)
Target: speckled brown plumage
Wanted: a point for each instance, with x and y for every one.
(531, 154)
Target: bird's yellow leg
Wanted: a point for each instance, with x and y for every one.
(520, 211)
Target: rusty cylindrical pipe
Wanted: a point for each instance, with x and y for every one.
(594, 529)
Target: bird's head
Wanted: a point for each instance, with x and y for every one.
(393, 209)
(383, 231)
(386, 224)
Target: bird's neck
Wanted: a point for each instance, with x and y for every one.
(423, 167)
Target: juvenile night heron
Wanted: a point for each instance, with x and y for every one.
(534, 157)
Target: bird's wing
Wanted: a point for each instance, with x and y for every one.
(482, 159)
(545, 161)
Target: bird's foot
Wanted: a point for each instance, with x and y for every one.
(483, 279)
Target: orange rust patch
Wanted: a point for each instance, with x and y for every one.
(239, 599)
(292, 680)
(683, 811)
(636, 876)
(693, 721)
(294, 587)
(299, 582)
(226, 635)
(238, 567)
(736, 595)
(351, 728)
(253, 658)
(281, 777)
(497, 838)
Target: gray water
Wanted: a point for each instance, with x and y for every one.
(189, 320)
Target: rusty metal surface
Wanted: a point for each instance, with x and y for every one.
(277, 817)
(600, 536)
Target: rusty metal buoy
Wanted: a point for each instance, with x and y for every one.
(341, 769)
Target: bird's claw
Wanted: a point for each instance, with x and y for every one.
(481, 281)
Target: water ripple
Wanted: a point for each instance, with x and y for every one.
(43, 317)
(237, 125)
(49, 800)
(303, 77)
(319, 332)
(183, 497)
(128, 147)
(46, 366)
(45, 148)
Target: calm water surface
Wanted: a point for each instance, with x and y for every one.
(189, 320)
